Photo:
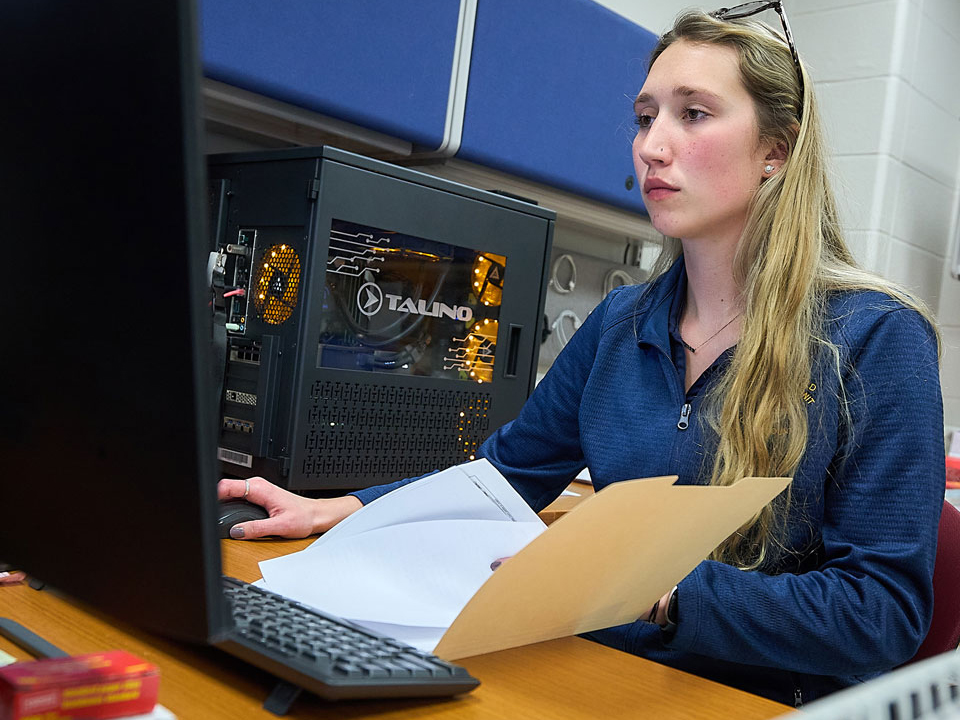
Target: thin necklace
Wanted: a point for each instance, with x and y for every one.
(694, 349)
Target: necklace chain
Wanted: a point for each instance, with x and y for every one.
(722, 328)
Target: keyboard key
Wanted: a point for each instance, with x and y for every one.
(348, 669)
(415, 670)
(416, 661)
(375, 670)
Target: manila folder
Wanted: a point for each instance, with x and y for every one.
(604, 563)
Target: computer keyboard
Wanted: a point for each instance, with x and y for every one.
(331, 657)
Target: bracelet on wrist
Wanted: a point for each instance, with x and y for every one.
(672, 611)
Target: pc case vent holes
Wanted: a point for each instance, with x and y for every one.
(276, 285)
(378, 433)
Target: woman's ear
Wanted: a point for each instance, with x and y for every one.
(776, 157)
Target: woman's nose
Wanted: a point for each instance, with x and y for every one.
(652, 146)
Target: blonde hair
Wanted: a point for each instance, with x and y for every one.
(791, 257)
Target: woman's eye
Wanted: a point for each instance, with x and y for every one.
(644, 121)
(694, 114)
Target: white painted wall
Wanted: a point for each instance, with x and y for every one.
(887, 74)
(929, 195)
(655, 15)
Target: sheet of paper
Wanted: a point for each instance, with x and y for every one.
(419, 573)
(422, 638)
(473, 490)
(644, 537)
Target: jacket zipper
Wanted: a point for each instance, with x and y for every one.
(684, 422)
(797, 697)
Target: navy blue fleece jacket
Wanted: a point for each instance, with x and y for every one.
(853, 596)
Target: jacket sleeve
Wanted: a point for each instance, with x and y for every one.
(868, 606)
(539, 451)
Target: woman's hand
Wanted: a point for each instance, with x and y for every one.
(291, 516)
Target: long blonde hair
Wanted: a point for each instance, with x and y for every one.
(790, 258)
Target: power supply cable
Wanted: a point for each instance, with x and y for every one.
(563, 289)
(615, 278)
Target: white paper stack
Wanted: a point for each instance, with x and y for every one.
(406, 564)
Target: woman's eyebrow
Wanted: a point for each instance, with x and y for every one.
(687, 91)
(679, 91)
(642, 99)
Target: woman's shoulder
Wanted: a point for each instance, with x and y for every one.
(629, 302)
(627, 296)
(859, 304)
(637, 301)
(853, 315)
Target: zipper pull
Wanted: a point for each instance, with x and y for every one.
(797, 697)
(684, 420)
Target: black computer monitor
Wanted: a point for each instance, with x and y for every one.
(108, 407)
(111, 415)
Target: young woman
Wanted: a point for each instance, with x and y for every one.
(759, 348)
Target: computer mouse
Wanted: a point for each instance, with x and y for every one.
(232, 512)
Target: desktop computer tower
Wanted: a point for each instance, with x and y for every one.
(380, 323)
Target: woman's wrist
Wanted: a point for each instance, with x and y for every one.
(329, 511)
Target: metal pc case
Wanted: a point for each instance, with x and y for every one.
(380, 322)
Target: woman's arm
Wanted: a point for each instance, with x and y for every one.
(540, 451)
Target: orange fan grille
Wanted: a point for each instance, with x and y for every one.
(276, 285)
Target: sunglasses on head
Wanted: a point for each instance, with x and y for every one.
(754, 8)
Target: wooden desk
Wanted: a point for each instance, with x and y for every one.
(569, 678)
(565, 503)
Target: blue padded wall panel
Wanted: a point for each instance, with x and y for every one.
(381, 64)
(551, 94)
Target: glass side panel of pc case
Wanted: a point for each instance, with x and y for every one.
(400, 304)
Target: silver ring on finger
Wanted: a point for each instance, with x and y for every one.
(246, 488)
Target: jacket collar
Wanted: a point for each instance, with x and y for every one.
(661, 310)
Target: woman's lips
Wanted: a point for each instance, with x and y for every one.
(657, 189)
(660, 193)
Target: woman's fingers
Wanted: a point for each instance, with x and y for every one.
(229, 489)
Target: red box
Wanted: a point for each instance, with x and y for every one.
(97, 685)
(953, 471)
